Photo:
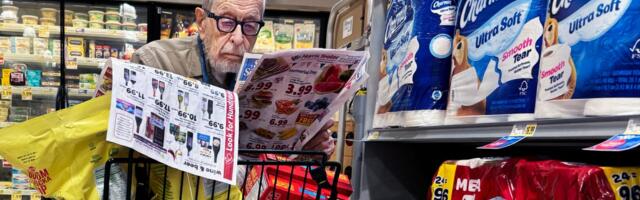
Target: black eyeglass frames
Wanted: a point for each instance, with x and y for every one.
(228, 25)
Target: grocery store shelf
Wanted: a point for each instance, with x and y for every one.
(583, 128)
(81, 93)
(88, 63)
(99, 34)
(51, 92)
(12, 191)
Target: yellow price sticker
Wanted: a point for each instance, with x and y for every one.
(526, 130)
(43, 32)
(72, 63)
(16, 195)
(633, 127)
(36, 196)
(374, 135)
(7, 94)
(27, 94)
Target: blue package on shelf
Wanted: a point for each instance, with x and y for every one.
(591, 62)
(496, 53)
(414, 72)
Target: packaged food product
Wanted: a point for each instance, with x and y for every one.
(88, 81)
(129, 18)
(590, 63)
(114, 53)
(283, 36)
(265, 42)
(82, 16)
(75, 46)
(142, 27)
(18, 74)
(68, 17)
(106, 51)
(80, 23)
(29, 20)
(5, 44)
(113, 25)
(40, 46)
(54, 47)
(6, 76)
(113, 9)
(113, 16)
(96, 25)
(49, 13)
(98, 51)
(34, 77)
(92, 49)
(47, 21)
(304, 35)
(129, 26)
(9, 12)
(496, 54)
(21, 45)
(96, 16)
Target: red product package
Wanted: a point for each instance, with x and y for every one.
(288, 184)
(524, 179)
(491, 178)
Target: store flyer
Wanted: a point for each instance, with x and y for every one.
(175, 120)
(290, 95)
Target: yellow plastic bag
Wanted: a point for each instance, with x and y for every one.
(60, 151)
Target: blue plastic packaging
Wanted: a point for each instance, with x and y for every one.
(496, 51)
(591, 62)
(414, 72)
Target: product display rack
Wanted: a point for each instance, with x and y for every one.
(400, 163)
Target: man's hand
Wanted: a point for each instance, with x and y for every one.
(322, 141)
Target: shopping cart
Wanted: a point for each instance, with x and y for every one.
(313, 167)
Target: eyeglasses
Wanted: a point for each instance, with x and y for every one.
(228, 25)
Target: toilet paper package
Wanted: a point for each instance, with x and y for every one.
(590, 65)
(414, 72)
(496, 52)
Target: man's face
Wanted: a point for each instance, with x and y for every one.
(225, 50)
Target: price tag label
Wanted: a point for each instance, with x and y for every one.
(72, 63)
(518, 133)
(526, 130)
(373, 135)
(27, 94)
(633, 126)
(36, 196)
(6, 93)
(43, 32)
(16, 195)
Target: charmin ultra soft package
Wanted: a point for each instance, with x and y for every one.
(496, 51)
(591, 62)
(414, 72)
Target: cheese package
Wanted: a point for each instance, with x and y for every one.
(75, 46)
(590, 65)
(40, 46)
(305, 35)
(283, 35)
(265, 41)
(416, 61)
(20, 45)
(5, 44)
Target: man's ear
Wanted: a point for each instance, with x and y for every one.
(200, 16)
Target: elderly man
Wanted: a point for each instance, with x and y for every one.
(227, 29)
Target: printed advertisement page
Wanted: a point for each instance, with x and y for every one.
(290, 95)
(174, 120)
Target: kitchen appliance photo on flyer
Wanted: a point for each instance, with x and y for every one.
(175, 120)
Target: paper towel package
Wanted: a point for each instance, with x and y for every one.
(414, 72)
(590, 64)
(496, 53)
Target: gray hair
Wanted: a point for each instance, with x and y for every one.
(207, 4)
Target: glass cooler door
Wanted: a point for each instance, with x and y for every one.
(30, 62)
(94, 33)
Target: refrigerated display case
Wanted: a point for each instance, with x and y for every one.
(283, 29)
(99, 31)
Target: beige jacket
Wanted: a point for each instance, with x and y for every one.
(180, 56)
